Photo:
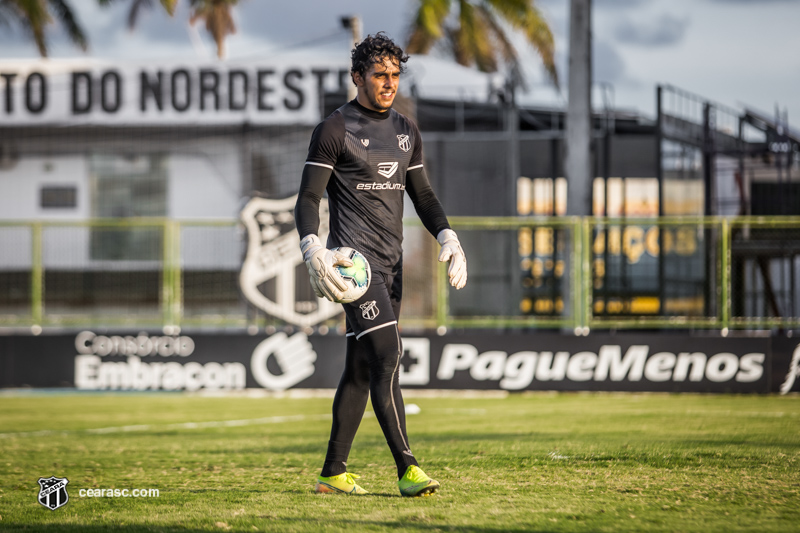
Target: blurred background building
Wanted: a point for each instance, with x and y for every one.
(122, 182)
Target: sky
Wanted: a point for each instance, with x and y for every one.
(735, 52)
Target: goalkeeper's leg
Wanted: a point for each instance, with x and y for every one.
(348, 407)
(385, 350)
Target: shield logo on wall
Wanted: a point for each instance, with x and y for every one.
(273, 274)
(53, 492)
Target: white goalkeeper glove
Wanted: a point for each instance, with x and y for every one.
(326, 282)
(452, 251)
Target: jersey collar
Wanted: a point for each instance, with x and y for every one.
(369, 112)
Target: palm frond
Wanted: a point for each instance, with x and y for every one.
(541, 37)
(476, 36)
(218, 19)
(34, 16)
(170, 6)
(136, 8)
(523, 15)
(428, 26)
(67, 18)
(504, 46)
(483, 41)
(511, 10)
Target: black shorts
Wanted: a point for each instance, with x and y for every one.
(378, 308)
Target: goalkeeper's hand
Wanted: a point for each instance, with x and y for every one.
(326, 282)
(452, 251)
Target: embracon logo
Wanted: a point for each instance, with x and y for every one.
(295, 356)
(92, 373)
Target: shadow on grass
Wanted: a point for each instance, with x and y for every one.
(282, 524)
(405, 525)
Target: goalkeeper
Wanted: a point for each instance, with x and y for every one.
(366, 155)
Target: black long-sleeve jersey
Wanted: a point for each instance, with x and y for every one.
(366, 160)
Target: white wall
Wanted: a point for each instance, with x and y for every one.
(203, 183)
(20, 188)
(203, 186)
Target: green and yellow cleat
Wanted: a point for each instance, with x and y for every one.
(415, 482)
(341, 484)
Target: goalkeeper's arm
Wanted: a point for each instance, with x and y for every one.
(319, 260)
(431, 213)
(312, 187)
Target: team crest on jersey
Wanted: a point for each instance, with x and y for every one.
(387, 170)
(405, 144)
(365, 142)
(369, 310)
(53, 492)
(273, 272)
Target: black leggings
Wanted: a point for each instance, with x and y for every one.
(372, 368)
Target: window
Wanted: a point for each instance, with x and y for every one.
(126, 187)
(58, 197)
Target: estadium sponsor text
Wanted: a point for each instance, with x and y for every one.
(381, 186)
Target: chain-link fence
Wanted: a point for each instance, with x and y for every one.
(563, 273)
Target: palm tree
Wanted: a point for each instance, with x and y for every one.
(137, 5)
(218, 17)
(475, 35)
(36, 15)
(216, 13)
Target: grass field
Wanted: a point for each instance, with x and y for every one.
(561, 462)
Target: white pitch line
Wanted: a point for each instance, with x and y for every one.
(458, 411)
(163, 427)
(749, 414)
(201, 425)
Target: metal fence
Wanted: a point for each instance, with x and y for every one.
(524, 272)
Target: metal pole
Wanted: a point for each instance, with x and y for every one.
(578, 163)
(725, 271)
(660, 177)
(353, 23)
(37, 275)
(710, 196)
(578, 137)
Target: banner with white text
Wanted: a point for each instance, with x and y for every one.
(74, 92)
(513, 362)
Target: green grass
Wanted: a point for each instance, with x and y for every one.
(566, 462)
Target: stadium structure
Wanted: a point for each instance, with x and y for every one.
(147, 238)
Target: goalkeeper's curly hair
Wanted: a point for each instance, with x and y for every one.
(373, 50)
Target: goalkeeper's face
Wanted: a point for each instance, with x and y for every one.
(378, 87)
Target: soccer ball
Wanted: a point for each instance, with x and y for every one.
(357, 276)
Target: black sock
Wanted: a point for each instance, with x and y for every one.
(333, 468)
(336, 459)
(403, 461)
